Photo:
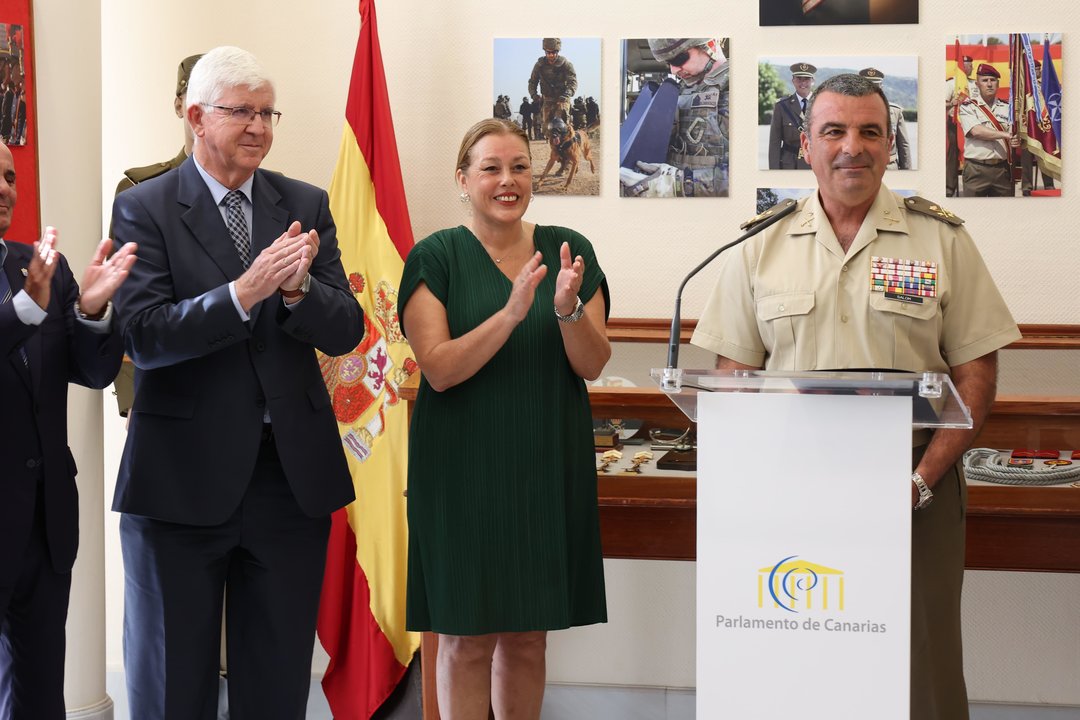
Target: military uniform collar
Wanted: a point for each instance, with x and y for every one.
(884, 214)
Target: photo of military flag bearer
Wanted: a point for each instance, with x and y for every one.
(558, 81)
(1003, 115)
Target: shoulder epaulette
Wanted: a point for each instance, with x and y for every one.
(924, 207)
(782, 207)
(140, 174)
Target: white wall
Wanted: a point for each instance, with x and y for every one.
(438, 60)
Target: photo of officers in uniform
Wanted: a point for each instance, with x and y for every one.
(558, 81)
(786, 84)
(1003, 115)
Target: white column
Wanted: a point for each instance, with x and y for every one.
(67, 40)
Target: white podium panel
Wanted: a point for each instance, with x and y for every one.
(804, 547)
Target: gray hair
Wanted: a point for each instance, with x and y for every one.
(851, 85)
(220, 70)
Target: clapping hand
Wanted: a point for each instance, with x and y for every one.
(568, 282)
(104, 275)
(521, 296)
(42, 266)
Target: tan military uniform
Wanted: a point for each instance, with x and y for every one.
(986, 162)
(124, 385)
(900, 151)
(791, 299)
(785, 152)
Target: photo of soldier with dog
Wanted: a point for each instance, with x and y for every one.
(559, 110)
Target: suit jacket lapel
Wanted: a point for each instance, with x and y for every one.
(13, 269)
(203, 219)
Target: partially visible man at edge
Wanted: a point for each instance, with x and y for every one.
(824, 254)
(51, 334)
(233, 461)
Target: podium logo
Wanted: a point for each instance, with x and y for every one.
(795, 585)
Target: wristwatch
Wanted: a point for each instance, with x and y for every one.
(573, 317)
(305, 285)
(925, 496)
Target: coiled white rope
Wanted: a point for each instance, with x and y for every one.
(986, 464)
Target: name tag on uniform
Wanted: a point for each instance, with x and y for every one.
(708, 98)
(905, 280)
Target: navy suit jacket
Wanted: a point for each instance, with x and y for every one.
(33, 423)
(203, 376)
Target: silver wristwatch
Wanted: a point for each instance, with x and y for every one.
(573, 317)
(925, 496)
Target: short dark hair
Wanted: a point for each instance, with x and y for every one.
(851, 85)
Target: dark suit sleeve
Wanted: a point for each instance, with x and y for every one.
(159, 330)
(93, 357)
(329, 318)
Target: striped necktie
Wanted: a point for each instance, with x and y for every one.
(5, 297)
(237, 224)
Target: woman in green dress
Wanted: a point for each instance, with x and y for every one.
(507, 320)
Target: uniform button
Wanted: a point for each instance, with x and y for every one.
(844, 269)
(31, 463)
(843, 318)
(781, 308)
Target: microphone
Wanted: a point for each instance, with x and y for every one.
(672, 379)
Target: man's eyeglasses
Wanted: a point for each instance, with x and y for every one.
(245, 115)
(680, 59)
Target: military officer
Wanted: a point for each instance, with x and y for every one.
(554, 79)
(988, 139)
(900, 152)
(697, 159)
(953, 97)
(124, 384)
(787, 118)
(821, 261)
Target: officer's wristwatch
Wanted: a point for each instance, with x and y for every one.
(925, 496)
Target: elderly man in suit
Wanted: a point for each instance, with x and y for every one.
(50, 335)
(233, 462)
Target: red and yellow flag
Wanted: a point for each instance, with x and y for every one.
(362, 610)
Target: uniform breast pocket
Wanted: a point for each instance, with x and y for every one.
(786, 323)
(913, 327)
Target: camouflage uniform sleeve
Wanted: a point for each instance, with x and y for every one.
(571, 80)
(534, 81)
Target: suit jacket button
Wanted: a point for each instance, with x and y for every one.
(260, 346)
(31, 463)
(260, 401)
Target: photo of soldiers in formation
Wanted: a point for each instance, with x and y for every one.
(674, 138)
(785, 86)
(13, 100)
(1003, 115)
(560, 110)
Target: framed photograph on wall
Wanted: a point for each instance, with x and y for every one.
(551, 88)
(18, 126)
(1003, 115)
(785, 85)
(674, 132)
(837, 12)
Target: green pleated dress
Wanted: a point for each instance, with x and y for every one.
(504, 533)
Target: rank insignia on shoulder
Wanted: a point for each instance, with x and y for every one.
(924, 207)
(781, 208)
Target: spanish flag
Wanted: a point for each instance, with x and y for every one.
(362, 611)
